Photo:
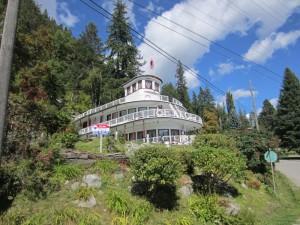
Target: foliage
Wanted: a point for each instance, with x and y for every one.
(181, 86)
(214, 140)
(169, 90)
(105, 166)
(253, 184)
(244, 120)
(118, 202)
(233, 120)
(211, 124)
(216, 163)
(266, 118)
(222, 116)
(83, 193)
(156, 165)
(66, 171)
(253, 146)
(205, 101)
(288, 111)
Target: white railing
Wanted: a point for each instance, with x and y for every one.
(172, 139)
(111, 104)
(152, 113)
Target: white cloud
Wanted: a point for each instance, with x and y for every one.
(274, 102)
(236, 94)
(218, 13)
(65, 16)
(225, 68)
(152, 7)
(262, 50)
(58, 11)
(192, 80)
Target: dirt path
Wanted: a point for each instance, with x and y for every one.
(290, 168)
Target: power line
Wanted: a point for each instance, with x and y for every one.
(219, 45)
(162, 52)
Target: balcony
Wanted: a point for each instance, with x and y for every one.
(152, 113)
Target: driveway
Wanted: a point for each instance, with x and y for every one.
(290, 168)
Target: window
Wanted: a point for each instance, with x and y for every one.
(114, 115)
(84, 125)
(174, 132)
(108, 117)
(152, 133)
(152, 107)
(133, 110)
(140, 135)
(149, 84)
(156, 86)
(163, 132)
(133, 87)
(131, 136)
(140, 85)
(128, 90)
(123, 113)
(142, 109)
(101, 118)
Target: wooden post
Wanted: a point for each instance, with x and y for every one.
(6, 55)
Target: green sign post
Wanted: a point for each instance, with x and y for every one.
(271, 157)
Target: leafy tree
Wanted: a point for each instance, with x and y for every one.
(211, 123)
(181, 88)
(233, 119)
(266, 118)
(288, 111)
(215, 141)
(243, 119)
(123, 59)
(205, 101)
(169, 90)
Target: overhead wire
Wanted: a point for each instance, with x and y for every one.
(213, 42)
(162, 52)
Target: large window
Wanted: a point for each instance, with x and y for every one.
(142, 109)
(156, 86)
(140, 85)
(108, 117)
(101, 118)
(114, 115)
(152, 133)
(148, 84)
(174, 132)
(123, 113)
(140, 135)
(133, 110)
(128, 90)
(134, 87)
(84, 125)
(132, 136)
(163, 132)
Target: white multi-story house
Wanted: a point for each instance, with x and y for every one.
(143, 114)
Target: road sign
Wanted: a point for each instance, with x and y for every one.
(270, 156)
(100, 129)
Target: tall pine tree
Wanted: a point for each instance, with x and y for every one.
(181, 88)
(288, 111)
(266, 118)
(233, 119)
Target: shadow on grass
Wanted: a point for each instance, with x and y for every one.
(162, 196)
(208, 185)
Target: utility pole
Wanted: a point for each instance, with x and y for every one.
(6, 55)
(254, 107)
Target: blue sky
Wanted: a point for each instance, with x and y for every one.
(228, 42)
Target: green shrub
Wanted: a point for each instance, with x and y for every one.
(215, 141)
(65, 172)
(105, 166)
(90, 219)
(182, 220)
(83, 193)
(253, 184)
(65, 216)
(156, 165)
(140, 212)
(118, 202)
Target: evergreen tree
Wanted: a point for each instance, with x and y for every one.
(181, 88)
(210, 122)
(194, 104)
(222, 117)
(288, 111)
(233, 119)
(266, 118)
(124, 60)
(205, 101)
(243, 119)
(169, 90)
(201, 102)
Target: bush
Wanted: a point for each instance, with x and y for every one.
(118, 202)
(65, 172)
(83, 193)
(156, 165)
(253, 184)
(215, 141)
(105, 166)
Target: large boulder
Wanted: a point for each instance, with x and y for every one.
(92, 180)
(186, 190)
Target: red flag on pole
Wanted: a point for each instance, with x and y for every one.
(152, 64)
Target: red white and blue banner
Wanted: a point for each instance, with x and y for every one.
(101, 129)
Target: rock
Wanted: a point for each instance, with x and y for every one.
(244, 186)
(92, 180)
(133, 178)
(129, 188)
(232, 209)
(67, 182)
(75, 186)
(84, 185)
(90, 202)
(119, 176)
(186, 190)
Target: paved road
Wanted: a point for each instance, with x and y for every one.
(290, 168)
